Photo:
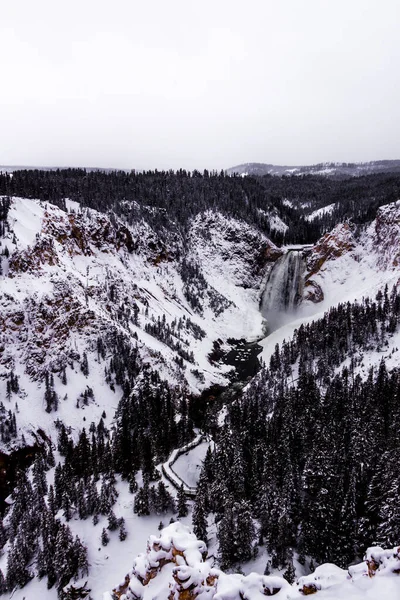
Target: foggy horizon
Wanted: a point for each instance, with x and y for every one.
(200, 169)
(211, 86)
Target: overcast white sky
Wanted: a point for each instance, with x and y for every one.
(171, 83)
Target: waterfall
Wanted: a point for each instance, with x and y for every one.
(283, 289)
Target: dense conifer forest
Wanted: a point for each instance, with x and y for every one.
(165, 198)
(145, 433)
(311, 448)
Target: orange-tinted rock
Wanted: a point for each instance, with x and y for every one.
(331, 246)
(308, 589)
(373, 566)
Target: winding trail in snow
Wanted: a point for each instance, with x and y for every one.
(171, 475)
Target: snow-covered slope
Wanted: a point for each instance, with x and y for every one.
(320, 211)
(72, 277)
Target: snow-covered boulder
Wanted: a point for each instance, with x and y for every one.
(323, 578)
(381, 561)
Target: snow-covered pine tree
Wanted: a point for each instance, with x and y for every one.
(182, 503)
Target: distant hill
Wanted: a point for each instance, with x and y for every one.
(327, 169)
(12, 168)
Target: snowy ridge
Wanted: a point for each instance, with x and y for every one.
(175, 566)
(328, 169)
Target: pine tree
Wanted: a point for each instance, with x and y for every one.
(18, 573)
(141, 506)
(243, 531)
(67, 507)
(164, 502)
(3, 534)
(22, 496)
(226, 539)
(105, 538)
(133, 486)
(182, 504)
(388, 530)
(50, 458)
(107, 497)
(199, 519)
(92, 497)
(85, 365)
(122, 530)
(80, 559)
(113, 523)
(3, 584)
(81, 501)
(39, 477)
(290, 573)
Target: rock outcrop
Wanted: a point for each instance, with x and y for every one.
(385, 234)
(176, 562)
(331, 246)
(345, 250)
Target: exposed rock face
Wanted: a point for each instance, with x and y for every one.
(375, 248)
(72, 231)
(73, 278)
(32, 260)
(331, 246)
(308, 589)
(386, 235)
(42, 326)
(313, 291)
(232, 246)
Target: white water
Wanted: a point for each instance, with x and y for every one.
(283, 289)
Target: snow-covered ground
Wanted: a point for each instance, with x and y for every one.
(188, 465)
(325, 210)
(72, 263)
(275, 222)
(108, 564)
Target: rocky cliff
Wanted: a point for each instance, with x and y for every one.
(355, 256)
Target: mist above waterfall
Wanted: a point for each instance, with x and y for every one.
(283, 289)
